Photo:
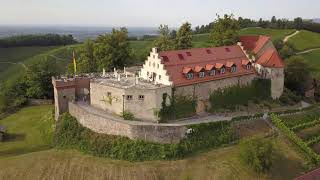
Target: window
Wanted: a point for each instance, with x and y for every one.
(201, 74)
(129, 97)
(212, 72)
(64, 97)
(190, 76)
(223, 70)
(148, 73)
(248, 66)
(158, 66)
(108, 94)
(159, 77)
(141, 97)
(233, 69)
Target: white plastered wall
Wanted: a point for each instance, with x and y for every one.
(153, 65)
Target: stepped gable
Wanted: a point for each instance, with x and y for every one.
(254, 43)
(179, 62)
(271, 58)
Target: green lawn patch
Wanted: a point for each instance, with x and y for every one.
(305, 40)
(313, 58)
(28, 130)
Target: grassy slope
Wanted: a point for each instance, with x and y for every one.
(27, 55)
(29, 130)
(19, 54)
(203, 40)
(305, 40)
(274, 33)
(314, 61)
(32, 123)
(219, 164)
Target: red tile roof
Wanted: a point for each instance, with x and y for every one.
(209, 67)
(186, 70)
(270, 58)
(198, 68)
(245, 62)
(254, 43)
(219, 56)
(313, 175)
(229, 64)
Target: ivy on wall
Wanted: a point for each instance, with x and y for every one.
(229, 98)
(180, 107)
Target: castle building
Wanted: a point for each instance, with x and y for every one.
(192, 72)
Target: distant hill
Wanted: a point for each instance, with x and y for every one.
(316, 20)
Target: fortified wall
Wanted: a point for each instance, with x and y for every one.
(100, 122)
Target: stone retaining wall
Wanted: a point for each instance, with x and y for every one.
(160, 133)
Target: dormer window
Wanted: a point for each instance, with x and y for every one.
(201, 74)
(190, 75)
(233, 69)
(223, 70)
(212, 72)
(248, 66)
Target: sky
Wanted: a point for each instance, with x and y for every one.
(147, 13)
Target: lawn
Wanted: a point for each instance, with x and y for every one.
(29, 130)
(313, 59)
(305, 40)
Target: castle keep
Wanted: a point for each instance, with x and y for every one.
(192, 72)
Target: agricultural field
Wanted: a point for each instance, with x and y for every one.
(25, 55)
(307, 127)
(28, 155)
(313, 58)
(305, 40)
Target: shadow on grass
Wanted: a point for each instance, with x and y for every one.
(10, 137)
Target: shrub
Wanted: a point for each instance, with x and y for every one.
(258, 153)
(126, 115)
(70, 134)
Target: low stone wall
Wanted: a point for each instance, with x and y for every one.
(97, 122)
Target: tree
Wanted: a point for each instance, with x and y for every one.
(225, 31)
(184, 37)
(87, 61)
(113, 50)
(257, 153)
(287, 50)
(273, 20)
(38, 79)
(173, 34)
(297, 75)
(164, 42)
(298, 23)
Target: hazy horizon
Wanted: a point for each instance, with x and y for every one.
(146, 13)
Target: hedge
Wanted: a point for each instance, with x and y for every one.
(293, 137)
(70, 134)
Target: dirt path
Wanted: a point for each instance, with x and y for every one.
(286, 39)
(307, 51)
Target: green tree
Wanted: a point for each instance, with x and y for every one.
(184, 37)
(287, 50)
(297, 74)
(38, 79)
(225, 31)
(257, 153)
(164, 42)
(298, 23)
(87, 61)
(273, 20)
(113, 50)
